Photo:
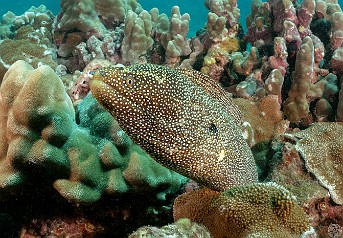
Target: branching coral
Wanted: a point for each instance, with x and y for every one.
(81, 16)
(137, 39)
(243, 64)
(282, 10)
(305, 14)
(259, 23)
(296, 106)
(91, 16)
(174, 41)
(216, 27)
(226, 8)
(221, 45)
(305, 87)
(279, 59)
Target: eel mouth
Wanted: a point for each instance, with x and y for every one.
(119, 106)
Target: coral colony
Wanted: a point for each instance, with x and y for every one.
(114, 122)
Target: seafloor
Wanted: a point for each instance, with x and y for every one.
(70, 169)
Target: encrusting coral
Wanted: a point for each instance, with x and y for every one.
(264, 116)
(182, 228)
(13, 50)
(255, 210)
(321, 147)
(83, 161)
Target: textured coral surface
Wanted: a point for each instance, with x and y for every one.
(263, 209)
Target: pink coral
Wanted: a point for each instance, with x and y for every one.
(81, 86)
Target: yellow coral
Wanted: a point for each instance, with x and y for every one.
(229, 44)
(219, 54)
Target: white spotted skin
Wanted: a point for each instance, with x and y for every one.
(187, 125)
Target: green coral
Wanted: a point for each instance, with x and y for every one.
(83, 155)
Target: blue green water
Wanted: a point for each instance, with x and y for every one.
(195, 8)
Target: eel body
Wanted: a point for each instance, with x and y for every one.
(182, 118)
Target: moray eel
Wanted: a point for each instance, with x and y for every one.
(182, 118)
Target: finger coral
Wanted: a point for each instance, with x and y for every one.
(296, 107)
(137, 39)
(255, 210)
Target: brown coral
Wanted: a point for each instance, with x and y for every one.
(183, 228)
(32, 53)
(264, 116)
(296, 107)
(321, 147)
(260, 209)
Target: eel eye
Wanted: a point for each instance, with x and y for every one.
(213, 129)
(130, 81)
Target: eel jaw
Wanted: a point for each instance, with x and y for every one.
(100, 90)
(118, 104)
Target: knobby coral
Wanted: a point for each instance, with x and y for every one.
(39, 137)
(255, 210)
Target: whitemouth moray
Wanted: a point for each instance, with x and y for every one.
(182, 118)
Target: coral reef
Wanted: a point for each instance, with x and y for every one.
(288, 168)
(27, 37)
(60, 149)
